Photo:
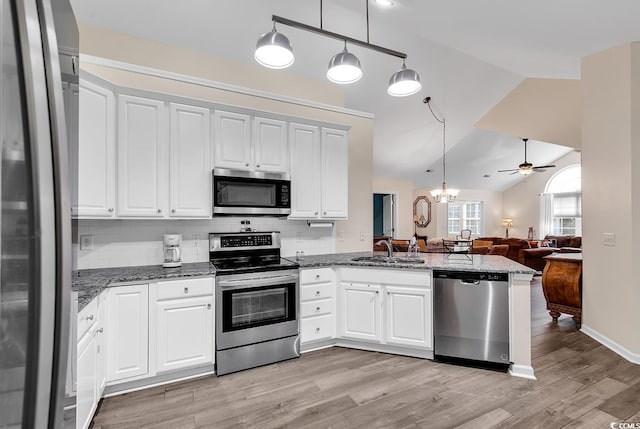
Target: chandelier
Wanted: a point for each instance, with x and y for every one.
(274, 50)
(444, 194)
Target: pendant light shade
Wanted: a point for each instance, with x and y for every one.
(404, 82)
(274, 50)
(344, 68)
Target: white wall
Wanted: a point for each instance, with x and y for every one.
(118, 243)
(521, 202)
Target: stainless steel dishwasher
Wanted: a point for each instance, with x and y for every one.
(471, 316)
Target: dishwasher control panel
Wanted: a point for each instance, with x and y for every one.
(471, 275)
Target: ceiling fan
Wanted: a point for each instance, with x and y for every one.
(527, 168)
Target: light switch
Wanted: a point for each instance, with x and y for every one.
(608, 239)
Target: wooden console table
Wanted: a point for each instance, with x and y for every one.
(562, 285)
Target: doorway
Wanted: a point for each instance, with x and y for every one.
(384, 215)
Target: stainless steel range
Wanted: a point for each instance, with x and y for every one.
(257, 306)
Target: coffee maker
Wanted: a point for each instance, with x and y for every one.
(172, 250)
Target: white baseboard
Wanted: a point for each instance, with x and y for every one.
(522, 371)
(611, 345)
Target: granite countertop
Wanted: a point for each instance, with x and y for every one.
(89, 283)
(432, 261)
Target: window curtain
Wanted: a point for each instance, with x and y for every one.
(546, 215)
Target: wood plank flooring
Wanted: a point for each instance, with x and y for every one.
(581, 384)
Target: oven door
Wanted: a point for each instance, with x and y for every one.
(256, 307)
(246, 192)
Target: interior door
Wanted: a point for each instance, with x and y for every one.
(387, 215)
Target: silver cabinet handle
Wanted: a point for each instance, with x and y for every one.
(388, 293)
(246, 164)
(74, 66)
(325, 212)
(186, 290)
(317, 330)
(316, 213)
(258, 165)
(89, 317)
(317, 276)
(159, 210)
(208, 306)
(377, 292)
(317, 292)
(100, 331)
(173, 210)
(317, 308)
(111, 209)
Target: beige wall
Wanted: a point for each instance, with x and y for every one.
(611, 193)
(404, 203)
(521, 202)
(492, 212)
(130, 49)
(540, 109)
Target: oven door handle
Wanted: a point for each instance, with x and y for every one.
(229, 284)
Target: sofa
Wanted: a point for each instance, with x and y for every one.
(534, 258)
(515, 245)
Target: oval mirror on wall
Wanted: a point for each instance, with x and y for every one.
(422, 211)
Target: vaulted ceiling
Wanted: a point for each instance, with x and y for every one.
(469, 54)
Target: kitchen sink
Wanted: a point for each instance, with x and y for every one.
(388, 260)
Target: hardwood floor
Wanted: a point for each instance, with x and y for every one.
(581, 384)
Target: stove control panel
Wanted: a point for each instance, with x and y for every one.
(243, 240)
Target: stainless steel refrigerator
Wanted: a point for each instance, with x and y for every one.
(35, 211)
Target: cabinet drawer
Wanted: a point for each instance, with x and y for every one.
(317, 275)
(317, 328)
(317, 291)
(316, 308)
(184, 288)
(87, 317)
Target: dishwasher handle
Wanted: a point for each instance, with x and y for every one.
(469, 282)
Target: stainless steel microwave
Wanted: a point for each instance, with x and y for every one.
(237, 192)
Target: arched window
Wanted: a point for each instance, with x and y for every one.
(562, 203)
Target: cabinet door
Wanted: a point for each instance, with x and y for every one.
(270, 148)
(232, 141)
(93, 152)
(335, 174)
(184, 333)
(408, 316)
(361, 311)
(189, 161)
(141, 157)
(127, 332)
(101, 344)
(86, 400)
(305, 171)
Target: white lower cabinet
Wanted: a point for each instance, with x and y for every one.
(127, 332)
(184, 323)
(387, 307)
(317, 306)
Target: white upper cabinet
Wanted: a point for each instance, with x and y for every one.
(189, 161)
(232, 142)
(305, 171)
(319, 172)
(93, 151)
(141, 157)
(335, 174)
(270, 148)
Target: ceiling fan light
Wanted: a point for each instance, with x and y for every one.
(274, 51)
(344, 68)
(404, 82)
(386, 3)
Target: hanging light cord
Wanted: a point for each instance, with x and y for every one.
(427, 101)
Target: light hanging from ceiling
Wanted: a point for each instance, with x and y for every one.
(273, 50)
(344, 67)
(444, 194)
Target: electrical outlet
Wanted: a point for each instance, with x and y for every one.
(298, 237)
(362, 235)
(340, 235)
(86, 242)
(196, 239)
(608, 239)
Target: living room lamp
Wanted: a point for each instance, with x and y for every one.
(444, 194)
(507, 222)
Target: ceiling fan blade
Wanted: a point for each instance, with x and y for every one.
(515, 172)
(544, 166)
(506, 171)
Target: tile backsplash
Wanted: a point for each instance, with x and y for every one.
(124, 242)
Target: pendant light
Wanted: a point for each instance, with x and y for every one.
(404, 82)
(344, 67)
(273, 50)
(444, 194)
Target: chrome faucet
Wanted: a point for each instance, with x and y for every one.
(389, 246)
